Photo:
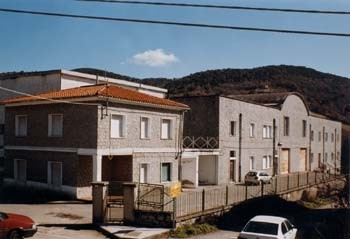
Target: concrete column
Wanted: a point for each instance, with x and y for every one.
(99, 196)
(129, 192)
(97, 168)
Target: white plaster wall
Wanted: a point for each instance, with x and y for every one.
(153, 93)
(190, 170)
(72, 82)
(207, 169)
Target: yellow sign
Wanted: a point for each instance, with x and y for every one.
(175, 189)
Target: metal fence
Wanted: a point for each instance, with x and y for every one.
(215, 198)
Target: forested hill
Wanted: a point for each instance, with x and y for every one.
(326, 93)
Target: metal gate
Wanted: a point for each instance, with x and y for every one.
(153, 197)
(115, 202)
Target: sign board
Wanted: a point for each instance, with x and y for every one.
(175, 189)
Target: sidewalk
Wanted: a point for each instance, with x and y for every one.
(129, 232)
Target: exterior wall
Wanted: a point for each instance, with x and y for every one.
(154, 161)
(79, 126)
(132, 138)
(322, 146)
(294, 108)
(256, 146)
(203, 118)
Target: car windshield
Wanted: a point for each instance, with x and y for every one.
(251, 174)
(262, 227)
(3, 216)
(263, 174)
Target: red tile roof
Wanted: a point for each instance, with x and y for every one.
(111, 91)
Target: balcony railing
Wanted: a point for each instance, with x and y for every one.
(191, 142)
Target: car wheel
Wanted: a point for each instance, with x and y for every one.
(15, 234)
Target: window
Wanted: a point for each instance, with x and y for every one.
(332, 156)
(326, 157)
(267, 132)
(21, 125)
(232, 154)
(284, 229)
(251, 163)
(269, 157)
(264, 162)
(20, 170)
(286, 126)
(54, 173)
(311, 157)
(338, 137)
(251, 130)
(326, 137)
(2, 128)
(55, 126)
(143, 173)
(319, 136)
(304, 128)
(144, 128)
(332, 137)
(118, 126)
(166, 169)
(232, 128)
(166, 129)
(312, 135)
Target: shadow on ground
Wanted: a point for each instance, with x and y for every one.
(312, 223)
(29, 195)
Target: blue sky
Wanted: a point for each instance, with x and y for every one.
(30, 42)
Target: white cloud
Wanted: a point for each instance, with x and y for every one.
(157, 57)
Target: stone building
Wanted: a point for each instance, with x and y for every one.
(45, 81)
(66, 139)
(274, 132)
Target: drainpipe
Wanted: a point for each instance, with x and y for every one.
(323, 144)
(240, 149)
(180, 145)
(310, 129)
(274, 159)
(335, 151)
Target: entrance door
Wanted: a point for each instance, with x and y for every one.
(232, 170)
(143, 173)
(56, 173)
(284, 161)
(21, 170)
(302, 160)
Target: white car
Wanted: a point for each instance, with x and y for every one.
(268, 227)
(257, 177)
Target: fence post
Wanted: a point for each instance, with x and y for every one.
(174, 212)
(203, 200)
(246, 191)
(129, 201)
(262, 188)
(276, 180)
(315, 177)
(298, 179)
(226, 203)
(99, 204)
(307, 178)
(287, 182)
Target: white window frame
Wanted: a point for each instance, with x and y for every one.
(170, 130)
(251, 162)
(233, 128)
(49, 125)
(147, 172)
(170, 172)
(15, 169)
(286, 125)
(49, 171)
(233, 158)
(123, 132)
(148, 131)
(251, 130)
(264, 162)
(17, 131)
(267, 132)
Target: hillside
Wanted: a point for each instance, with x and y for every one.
(326, 93)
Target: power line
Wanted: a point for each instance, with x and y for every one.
(183, 24)
(231, 7)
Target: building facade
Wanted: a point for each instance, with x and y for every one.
(274, 132)
(99, 133)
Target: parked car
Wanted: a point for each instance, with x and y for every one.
(14, 226)
(257, 177)
(268, 227)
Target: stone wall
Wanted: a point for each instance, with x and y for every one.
(154, 219)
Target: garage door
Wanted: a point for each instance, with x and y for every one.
(302, 160)
(284, 161)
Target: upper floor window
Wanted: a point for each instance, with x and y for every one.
(144, 128)
(312, 135)
(166, 128)
(232, 155)
(304, 128)
(326, 137)
(166, 172)
(232, 128)
(55, 126)
(319, 136)
(286, 126)
(251, 130)
(311, 157)
(267, 132)
(266, 162)
(325, 157)
(251, 163)
(332, 156)
(21, 125)
(118, 126)
(332, 137)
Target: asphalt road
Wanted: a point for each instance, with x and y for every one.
(66, 233)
